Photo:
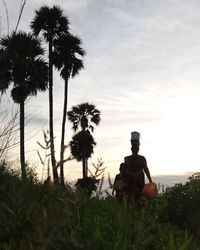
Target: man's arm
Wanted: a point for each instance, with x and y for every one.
(146, 170)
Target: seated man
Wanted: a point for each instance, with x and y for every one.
(134, 169)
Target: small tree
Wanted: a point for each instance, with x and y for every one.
(82, 146)
(84, 116)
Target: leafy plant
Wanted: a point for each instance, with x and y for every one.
(180, 205)
(87, 184)
(36, 216)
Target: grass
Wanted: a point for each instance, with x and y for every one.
(37, 216)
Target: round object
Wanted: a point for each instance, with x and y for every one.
(150, 190)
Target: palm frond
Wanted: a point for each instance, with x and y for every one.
(50, 22)
(84, 115)
(66, 52)
(21, 63)
(82, 145)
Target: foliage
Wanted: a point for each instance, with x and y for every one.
(8, 127)
(82, 145)
(66, 55)
(85, 116)
(87, 184)
(45, 157)
(67, 49)
(98, 172)
(51, 23)
(179, 205)
(44, 216)
(22, 66)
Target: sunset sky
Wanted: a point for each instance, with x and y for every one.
(142, 71)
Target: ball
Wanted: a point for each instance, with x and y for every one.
(150, 190)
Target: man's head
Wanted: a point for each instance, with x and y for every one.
(135, 148)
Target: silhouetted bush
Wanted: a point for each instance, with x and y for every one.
(180, 205)
(87, 184)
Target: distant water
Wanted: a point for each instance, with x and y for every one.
(170, 180)
(162, 180)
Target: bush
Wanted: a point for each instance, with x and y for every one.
(87, 185)
(36, 216)
(180, 205)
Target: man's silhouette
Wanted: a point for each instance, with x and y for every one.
(135, 166)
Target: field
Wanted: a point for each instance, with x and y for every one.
(44, 216)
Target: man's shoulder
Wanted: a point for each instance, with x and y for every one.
(131, 156)
(141, 156)
(128, 157)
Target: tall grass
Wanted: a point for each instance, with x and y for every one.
(38, 216)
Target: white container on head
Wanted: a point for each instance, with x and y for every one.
(135, 136)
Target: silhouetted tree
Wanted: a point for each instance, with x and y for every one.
(66, 52)
(84, 116)
(21, 65)
(82, 145)
(51, 23)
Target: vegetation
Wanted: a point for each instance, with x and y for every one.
(36, 215)
(180, 205)
(8, 127)
(81, 146)
(22, 66)
(43, 216)
(67, 47)
(51, 23)
(83, 116)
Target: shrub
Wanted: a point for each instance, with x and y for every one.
(87, 185)
(36, 216)
(180, 204)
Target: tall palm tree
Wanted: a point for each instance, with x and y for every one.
(67, 48)
(84, 116)
(21, 65)
(82, 145)
(51, 23)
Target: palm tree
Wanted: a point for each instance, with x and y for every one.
(81, 146)
(84, 116)
(51, 23)
(21, 65)
(67, 48)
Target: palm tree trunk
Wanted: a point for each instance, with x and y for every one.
(53, 160)
(84, 158)
(84, 167)
(22, 148)
(63, 133)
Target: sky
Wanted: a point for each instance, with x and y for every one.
(141, 71)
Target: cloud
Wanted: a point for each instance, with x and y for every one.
(39, 120)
